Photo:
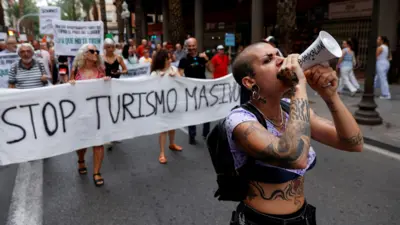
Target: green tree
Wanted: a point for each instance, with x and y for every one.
(15, 11)
(2, 22)
(70, 9)
(86, 6)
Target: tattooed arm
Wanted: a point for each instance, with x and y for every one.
(344, 133)
(288, 151)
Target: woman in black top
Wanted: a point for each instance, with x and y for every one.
(112, 61)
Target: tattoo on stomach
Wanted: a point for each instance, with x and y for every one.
(293, 191)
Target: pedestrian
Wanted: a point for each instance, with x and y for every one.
(88, 65)
(345, 66)
(27, 72)
(194, 66)
(162, 66)
(383, 58)
(220, 63)
(281, 150)
(112, 60)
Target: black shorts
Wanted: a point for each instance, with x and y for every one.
(245, 215)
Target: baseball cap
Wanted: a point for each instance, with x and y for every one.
(220, 47)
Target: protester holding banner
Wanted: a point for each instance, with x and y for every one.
(194, 66)
(88, 65)
(277, 154)
(162, 66)
(113, 61)
(27, 72)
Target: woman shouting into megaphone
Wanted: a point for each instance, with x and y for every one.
(280, 150)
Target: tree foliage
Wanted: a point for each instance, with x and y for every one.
(70, 9)
(29, 6)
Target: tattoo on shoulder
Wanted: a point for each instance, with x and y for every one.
(251, 129)
(354, 140)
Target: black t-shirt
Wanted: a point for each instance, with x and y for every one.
(195, 67)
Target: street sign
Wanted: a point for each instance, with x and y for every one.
(229, 39)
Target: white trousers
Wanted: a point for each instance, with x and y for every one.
(344, 80)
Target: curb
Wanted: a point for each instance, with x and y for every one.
(379, 144)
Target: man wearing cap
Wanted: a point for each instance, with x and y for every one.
(220, 63)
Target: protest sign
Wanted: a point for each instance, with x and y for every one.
(69, 36)
(45, 122)
(229, 39)
(6, 60)
(46, 16)
(137, 70)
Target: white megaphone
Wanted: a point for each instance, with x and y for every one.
(321, 50)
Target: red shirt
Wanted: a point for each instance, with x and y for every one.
(140, 50)
(220, 63)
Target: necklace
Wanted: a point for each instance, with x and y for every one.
(271, 121)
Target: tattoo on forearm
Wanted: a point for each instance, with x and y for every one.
(354, 140)
(293, 191)
(331, 106)
(300, 110)
(293, 144)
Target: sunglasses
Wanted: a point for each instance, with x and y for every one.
(94, 51)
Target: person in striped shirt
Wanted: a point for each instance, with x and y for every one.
(27, 72)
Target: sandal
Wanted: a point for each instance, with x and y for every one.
(162, 159)
(98, 182)
(82, 170)
(175, 147)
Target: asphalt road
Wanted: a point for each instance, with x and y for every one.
(347, 188)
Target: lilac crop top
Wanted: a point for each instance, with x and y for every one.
(240, 115)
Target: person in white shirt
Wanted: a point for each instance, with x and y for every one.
(42, 55)
(160, 67)
(146, 57)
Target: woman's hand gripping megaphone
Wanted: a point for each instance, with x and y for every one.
(323, 80)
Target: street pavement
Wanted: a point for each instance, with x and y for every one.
(347, 188)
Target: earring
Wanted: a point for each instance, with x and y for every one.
(255, 93)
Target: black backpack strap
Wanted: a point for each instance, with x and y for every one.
(285, 106)
(251, 108)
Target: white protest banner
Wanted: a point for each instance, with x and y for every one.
(46, 16)
(137, 70)
(45, 122)
(5, 63)
(69, 36)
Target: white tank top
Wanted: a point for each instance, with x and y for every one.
(384, 54)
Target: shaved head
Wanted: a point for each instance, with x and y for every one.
(243, 64)
(191, 45)
(192, 41)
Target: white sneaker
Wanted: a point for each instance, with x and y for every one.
(385, 97)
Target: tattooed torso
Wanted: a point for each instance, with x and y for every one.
(276, 198)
